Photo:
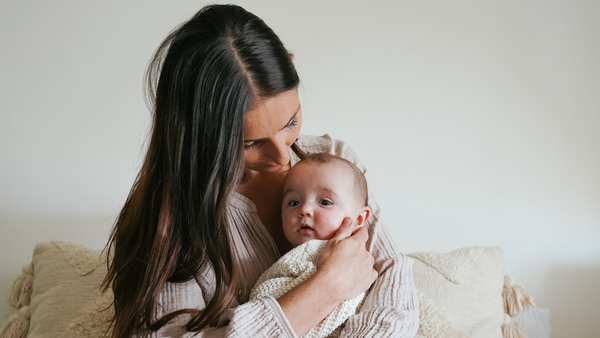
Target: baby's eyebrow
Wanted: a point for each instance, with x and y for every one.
(287, 191)
(328, 190)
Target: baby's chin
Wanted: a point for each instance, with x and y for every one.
(300, 240)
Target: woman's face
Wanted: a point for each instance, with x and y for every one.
(271, 126)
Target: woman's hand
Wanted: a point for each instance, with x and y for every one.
(345, 263)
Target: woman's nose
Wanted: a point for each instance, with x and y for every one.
(280, 152)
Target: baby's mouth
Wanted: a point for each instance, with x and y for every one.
(305, 228)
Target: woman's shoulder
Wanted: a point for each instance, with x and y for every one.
(326, 144)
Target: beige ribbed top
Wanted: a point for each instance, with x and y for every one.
(390, 309)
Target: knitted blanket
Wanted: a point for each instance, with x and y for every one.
(294, 268)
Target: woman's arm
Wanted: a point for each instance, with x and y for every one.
(258, 318)
(391, 308)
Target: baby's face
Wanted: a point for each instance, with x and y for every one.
(317, 197)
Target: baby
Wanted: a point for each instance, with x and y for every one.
(318, 193)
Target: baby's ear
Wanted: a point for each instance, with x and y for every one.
(363, 216)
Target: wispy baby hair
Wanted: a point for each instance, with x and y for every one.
(360, 182)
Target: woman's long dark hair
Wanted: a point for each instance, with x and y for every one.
(202, 80)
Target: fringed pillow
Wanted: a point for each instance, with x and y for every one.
(464, 294)
(460, 292)
(58, 294)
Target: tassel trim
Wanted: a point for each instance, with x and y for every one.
(20, 292)
(516, 298)
(511, 329)
(17, 325)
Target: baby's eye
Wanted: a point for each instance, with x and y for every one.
(325, 202)
(293, 203)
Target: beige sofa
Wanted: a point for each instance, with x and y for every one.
(462, 293)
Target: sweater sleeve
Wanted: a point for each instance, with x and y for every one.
(391, 308)
(261, 317)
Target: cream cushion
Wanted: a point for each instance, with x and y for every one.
(460, 292)
(66, 281)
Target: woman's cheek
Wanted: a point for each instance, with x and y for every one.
(293, 137)
(250, 158)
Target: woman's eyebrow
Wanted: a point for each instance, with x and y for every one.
(288, 122)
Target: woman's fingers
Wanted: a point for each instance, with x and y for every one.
(345, 230)
(346, 262)
(362, 235)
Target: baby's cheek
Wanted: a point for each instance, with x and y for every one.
(330, 235)
(331, 227)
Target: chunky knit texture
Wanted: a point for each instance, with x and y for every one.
(294, 268)
(460, 292)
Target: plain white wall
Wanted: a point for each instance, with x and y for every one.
(479, 123)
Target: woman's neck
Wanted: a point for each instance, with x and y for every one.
(265, 190)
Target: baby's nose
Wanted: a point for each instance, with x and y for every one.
(306, 210)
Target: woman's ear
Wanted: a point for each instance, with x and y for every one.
(292, 57)
(363, 216)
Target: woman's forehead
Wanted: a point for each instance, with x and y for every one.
(270, 115)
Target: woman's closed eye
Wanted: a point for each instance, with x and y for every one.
(250, 144)
(293, 122)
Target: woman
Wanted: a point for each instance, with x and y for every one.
(202, 221)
